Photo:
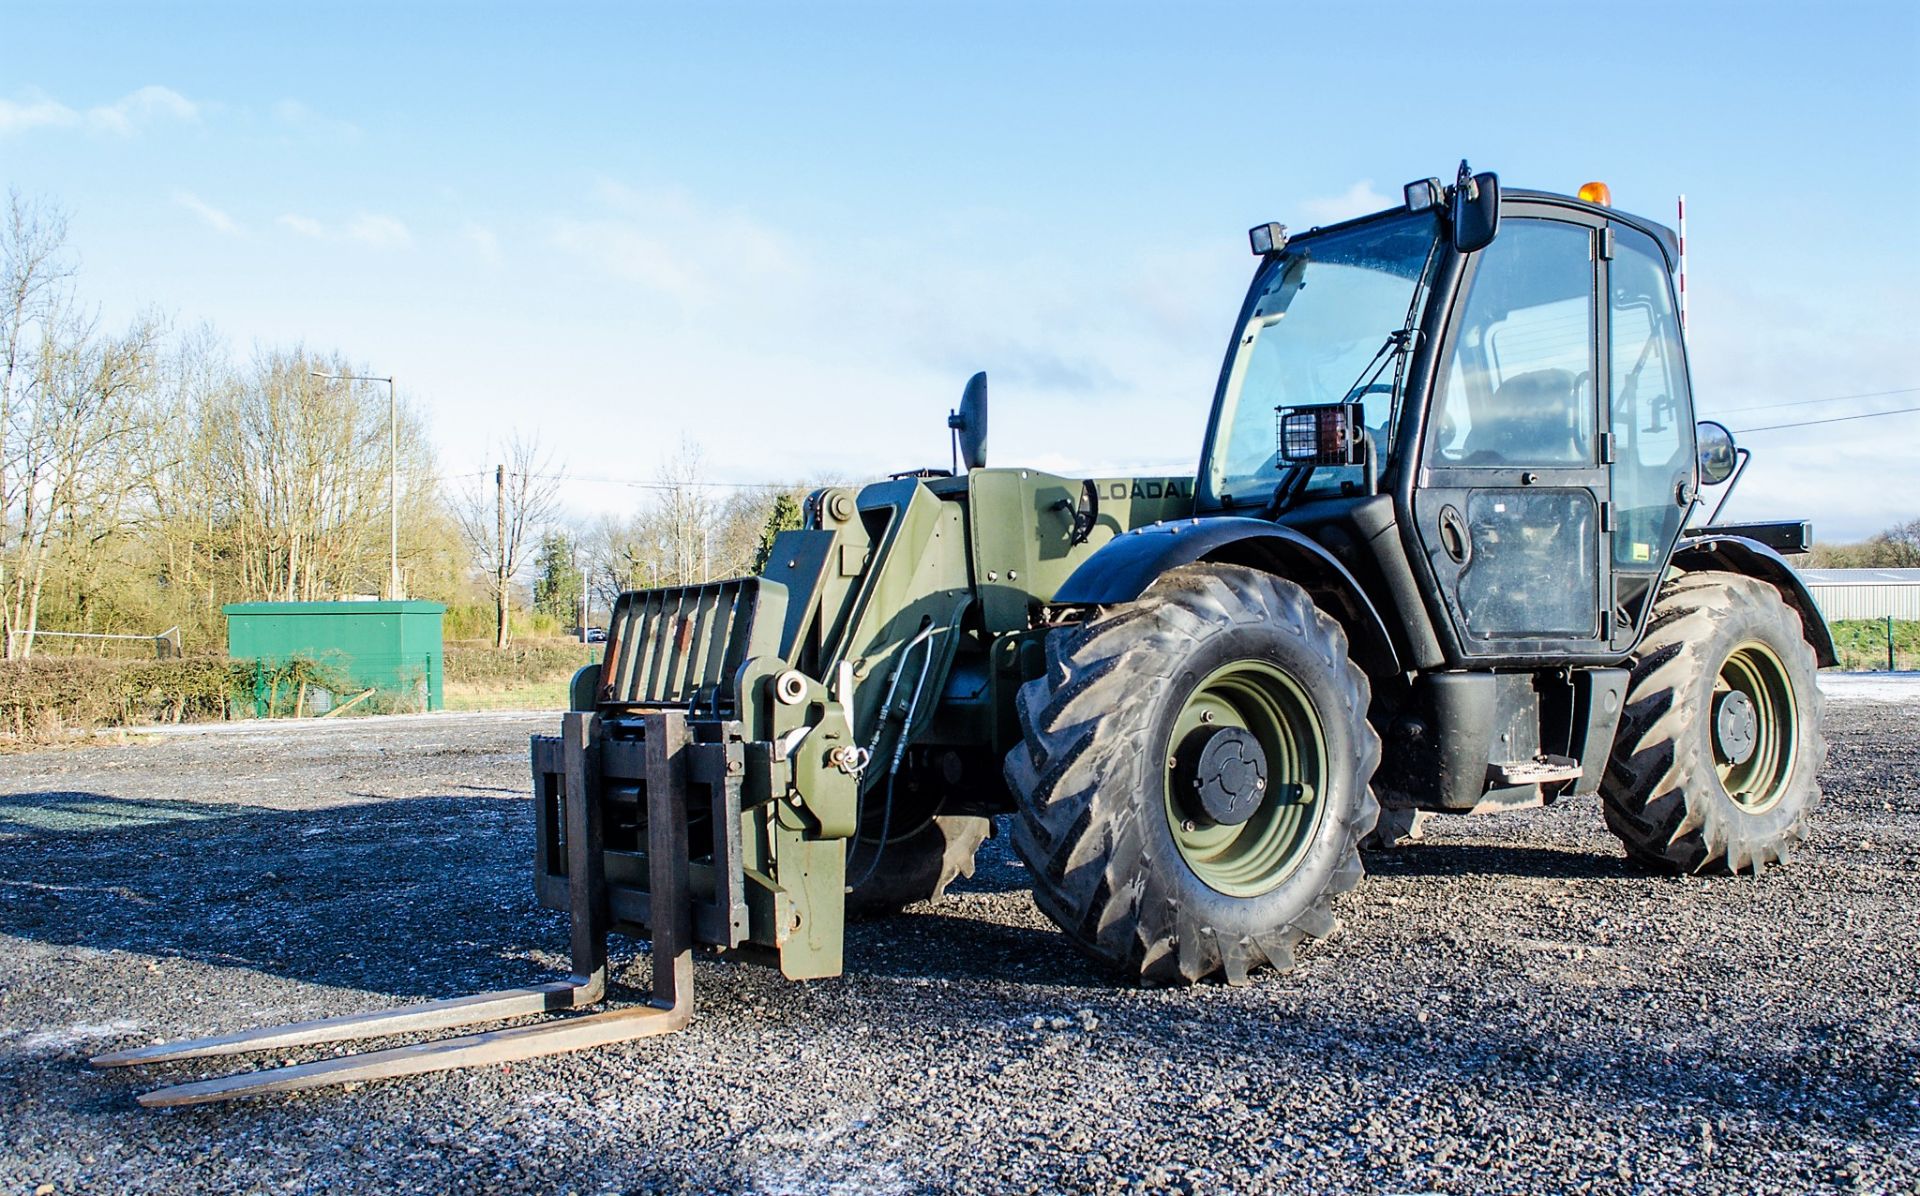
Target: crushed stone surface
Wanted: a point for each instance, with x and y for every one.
(1507, 1006)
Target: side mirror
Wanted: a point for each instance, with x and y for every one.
(1715, 447)
(1328, 434)
(1475, 213)
(969, 423)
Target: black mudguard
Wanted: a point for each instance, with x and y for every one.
(1737, 554)
(1126, 565)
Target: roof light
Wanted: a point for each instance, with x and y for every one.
(1422, 194)
(1598, 193)
(1267, 238)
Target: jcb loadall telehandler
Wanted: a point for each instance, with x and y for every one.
(1436, 556)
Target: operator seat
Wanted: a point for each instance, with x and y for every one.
(1532, 419)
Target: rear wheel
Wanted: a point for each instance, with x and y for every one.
(1717, 761)
(1194, 777)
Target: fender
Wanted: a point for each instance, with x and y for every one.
(1737, 554)
(1126, 565)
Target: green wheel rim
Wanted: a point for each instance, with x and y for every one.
(1759, 782)
(1255, 856)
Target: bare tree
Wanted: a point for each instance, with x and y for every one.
(78, 416)
(294, 469)
(33, 274)
(686, 517)
(501, 523)
(621, 555)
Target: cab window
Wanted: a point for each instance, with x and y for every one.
(1520, 385)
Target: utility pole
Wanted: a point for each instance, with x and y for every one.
(573, 559)
(394, 591)
(500, 556)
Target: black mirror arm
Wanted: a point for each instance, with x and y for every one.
(1740, 458)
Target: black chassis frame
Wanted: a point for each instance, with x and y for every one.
(1454, 707)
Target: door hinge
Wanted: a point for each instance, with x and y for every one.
(1606, 516)
(1606, 244)
(1606, 448)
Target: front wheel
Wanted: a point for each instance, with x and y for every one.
(1716, 767)
(1193, 782)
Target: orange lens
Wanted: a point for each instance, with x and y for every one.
(1597, 193)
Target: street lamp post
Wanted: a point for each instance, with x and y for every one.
(393, 475)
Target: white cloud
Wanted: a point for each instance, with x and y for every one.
(126, 115)
(484, 241)
(305, 226)
(209, 215)
(37, 111)
(692, 253)
(1357, 200)
(385, 232)
(381, 232)
(299, 118)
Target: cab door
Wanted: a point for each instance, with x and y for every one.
(1651, 444)
(1512, 495)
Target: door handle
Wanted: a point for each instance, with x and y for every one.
(1453, 535)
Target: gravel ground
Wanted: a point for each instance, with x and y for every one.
(1507, 1007)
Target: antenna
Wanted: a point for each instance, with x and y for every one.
(1683, 262)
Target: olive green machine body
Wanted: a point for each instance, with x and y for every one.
(900, 617)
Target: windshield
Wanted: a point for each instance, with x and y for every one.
(1320, 329)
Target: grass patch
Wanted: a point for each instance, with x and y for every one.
(525, 695)
(1861, 645)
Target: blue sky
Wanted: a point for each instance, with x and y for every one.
(791, 232)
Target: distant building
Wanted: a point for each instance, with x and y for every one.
(1865, 593)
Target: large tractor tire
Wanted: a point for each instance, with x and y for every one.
(1716, 765)
(931, 837)
(1194, 778)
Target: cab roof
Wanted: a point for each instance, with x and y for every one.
(1668, 240)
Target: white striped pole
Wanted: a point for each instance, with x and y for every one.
(1683, 263)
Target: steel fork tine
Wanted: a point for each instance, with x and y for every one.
(431, 1015)
(472, 1050)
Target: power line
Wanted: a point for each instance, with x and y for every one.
(1836, 419)
(641, 484)
(1876, 394)
(636, 483)
(655, 485)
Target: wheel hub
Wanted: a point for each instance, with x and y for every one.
(1222, 774)
(1736, 727)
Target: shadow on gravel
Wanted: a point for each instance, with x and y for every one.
(415, 897)
(1447, 859)
(937, 946)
